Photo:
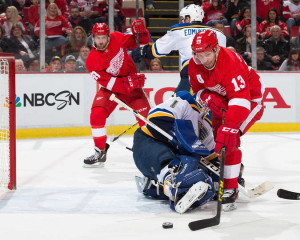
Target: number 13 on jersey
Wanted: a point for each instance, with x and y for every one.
(239, 83)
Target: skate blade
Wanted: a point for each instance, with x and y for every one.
(227, 207)
(196, 192)
(95, 165)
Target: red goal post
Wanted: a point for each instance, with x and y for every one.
(7, 122)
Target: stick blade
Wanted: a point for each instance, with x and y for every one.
(260, 189)
(288, 194)
(204, 223)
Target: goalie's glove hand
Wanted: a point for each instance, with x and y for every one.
(134, 81)
(138, 26)
(227, 137)
(216, 103)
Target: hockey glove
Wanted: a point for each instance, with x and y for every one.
(138, 26)
(137, 55)
(134, 81)
(227, 137)
(215, 102)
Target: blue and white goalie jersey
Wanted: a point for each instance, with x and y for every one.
(181, 106)
(180, 37)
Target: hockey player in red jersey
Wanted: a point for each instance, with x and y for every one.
(233, 91)
(110, 65)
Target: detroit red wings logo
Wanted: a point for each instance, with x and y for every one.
(219, 89)
(116, 63)
(267, 2)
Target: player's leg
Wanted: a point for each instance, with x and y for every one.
(101, 109)
(233, 161)
(150, 156)
(232, 168)
(138, 101)
(184, 83)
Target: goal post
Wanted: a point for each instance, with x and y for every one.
(7, 122)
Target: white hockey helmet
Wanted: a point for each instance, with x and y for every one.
(195, 12)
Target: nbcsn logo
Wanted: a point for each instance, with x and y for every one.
(18, 103)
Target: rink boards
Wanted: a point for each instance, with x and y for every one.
(57, 105)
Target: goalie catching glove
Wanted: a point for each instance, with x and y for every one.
(134, 81)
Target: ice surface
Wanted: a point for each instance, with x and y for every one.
(58, 199)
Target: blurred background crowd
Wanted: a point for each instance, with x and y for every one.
(69, 23)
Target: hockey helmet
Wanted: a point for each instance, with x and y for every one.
(100, 29)
(204, 41)
(195, 12)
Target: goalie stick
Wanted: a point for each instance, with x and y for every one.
(282, 193)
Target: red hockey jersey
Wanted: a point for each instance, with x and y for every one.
(110, 66)
(232, 78)
(54, 27)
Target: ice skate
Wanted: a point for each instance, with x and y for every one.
(97, 159)
(196, 192)
(228, 199)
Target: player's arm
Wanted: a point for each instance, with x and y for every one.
(214, 101)
(138, 26)
(124, 85)
(162, 118)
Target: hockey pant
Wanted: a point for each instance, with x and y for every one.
(102, 107)
(233, 160)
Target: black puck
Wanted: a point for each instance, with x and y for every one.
(167, 225)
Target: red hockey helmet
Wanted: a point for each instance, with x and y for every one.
(204, 41)
(100, 29)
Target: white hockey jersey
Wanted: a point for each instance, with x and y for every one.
(180, 37)
(182, 106)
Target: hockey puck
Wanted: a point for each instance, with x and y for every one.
(167, 225)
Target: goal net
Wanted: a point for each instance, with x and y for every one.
(7, 122)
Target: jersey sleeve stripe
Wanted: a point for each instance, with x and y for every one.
(160, 110)
(146, 131)
(239, 102)
(155, 53)
(185, 63)
(160, 114)
(250, 117)
(111, 83)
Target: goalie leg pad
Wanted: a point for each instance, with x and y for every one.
(196, 192)
(150, 188)
(191, 190)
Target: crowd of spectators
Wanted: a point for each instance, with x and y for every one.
(277, 47)
(69, 24)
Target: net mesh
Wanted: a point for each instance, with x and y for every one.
(4, 124)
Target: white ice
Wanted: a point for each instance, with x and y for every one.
(58, 199)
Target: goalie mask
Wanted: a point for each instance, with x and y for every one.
(193, 11)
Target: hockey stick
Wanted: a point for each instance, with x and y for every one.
(210, 222)
(214, 221)
(120, 135)
(168, 136)
(251, 193)
(282, 193)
